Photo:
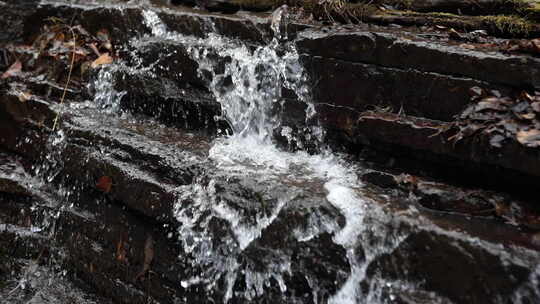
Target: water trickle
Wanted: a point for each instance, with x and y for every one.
(279, 22)
(103, 86)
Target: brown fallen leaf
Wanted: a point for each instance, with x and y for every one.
(93, 47)
(476, 92)
(102, 60)
(527, 116)
(490, 104)
(24, 96)
(104, 184)
(467, 46)
(529, 138)
(525, 96)
(13, 70)
(454, 34)
(502, 209)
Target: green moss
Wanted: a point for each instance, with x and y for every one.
(509, 25)
(439, 15)
(532, 12)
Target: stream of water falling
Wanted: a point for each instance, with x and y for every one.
(257, 75)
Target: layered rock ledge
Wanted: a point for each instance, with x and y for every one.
(115, 186)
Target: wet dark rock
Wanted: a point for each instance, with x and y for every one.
(12, 17)
(424, 259)
(394, 51)
(380, 179)
(444, 198)
(370, 86)
(187, 107)
(414, 137)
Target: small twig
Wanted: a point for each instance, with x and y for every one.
(68, 78)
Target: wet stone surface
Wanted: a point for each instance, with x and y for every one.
(137, 196)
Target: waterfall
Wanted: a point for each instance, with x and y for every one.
(248, 87)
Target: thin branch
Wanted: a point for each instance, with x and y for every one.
(68, 78)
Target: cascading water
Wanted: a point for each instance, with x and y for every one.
(228, 215)
(247, 89)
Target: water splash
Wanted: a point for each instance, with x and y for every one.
(103, 86)
(251, 83)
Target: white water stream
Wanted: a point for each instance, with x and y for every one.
(257, 75)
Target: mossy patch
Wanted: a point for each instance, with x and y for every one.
(508, 25)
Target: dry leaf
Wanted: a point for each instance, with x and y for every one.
(529, 138)
(103, 59)
(13, 70)
(104, 184)
(476, 92)
(24, 96)
(81, 30)
(94, 49)
(526, 96)
(467, 46)
(454, 34)
(490, 103)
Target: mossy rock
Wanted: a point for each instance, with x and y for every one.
(512, 26)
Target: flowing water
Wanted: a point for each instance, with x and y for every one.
(227, 235)
(257, 76)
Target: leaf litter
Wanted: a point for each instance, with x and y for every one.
(500, 118)
(58, 48)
